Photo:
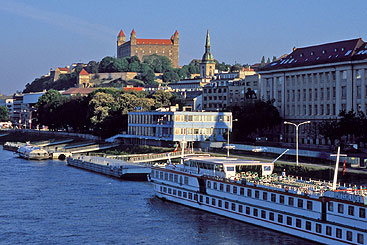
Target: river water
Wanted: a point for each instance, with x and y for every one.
(47, 202)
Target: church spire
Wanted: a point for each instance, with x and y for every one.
(207, 57)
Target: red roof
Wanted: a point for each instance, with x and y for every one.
(121, 34)
(133, 32)
(83, 72)
(154, 41)
(176, 33)
(71, 91)
(134, 88)
(63, 69)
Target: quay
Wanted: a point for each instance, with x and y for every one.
(112, 167)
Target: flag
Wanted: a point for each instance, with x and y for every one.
(176, 148)
(345, 161)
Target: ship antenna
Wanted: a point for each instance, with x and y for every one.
(336, 168)
(276, 159)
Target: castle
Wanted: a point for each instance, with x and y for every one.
(144, 47)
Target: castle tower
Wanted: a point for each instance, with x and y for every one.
(133, 37)
(121, 39)
(207, 65)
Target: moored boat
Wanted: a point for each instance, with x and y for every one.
(33, 152)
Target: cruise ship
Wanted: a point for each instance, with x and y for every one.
(315, 210)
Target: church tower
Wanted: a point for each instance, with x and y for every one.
(207, 65)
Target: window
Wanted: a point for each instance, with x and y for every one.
(351, 210)
(215, 185)
(176, 178)
(360, 238)
(195, 197)
(228, 188)
(190, 195)
(186, 180)
(265, 196)
(255, 212)
(220, 203)
(340, 208)
(349, 236)
(328, 230)
(263, 214)
(308, 225)
(309, 205)
(318, 228)
(256, 194)
(169, 191)
(209, 184)
(247, 210)
(281, 199)
(221, 187)
(200, 198)
(249, 192)
(330, 207)
(271, 216)
(184, 194)
(290, 201)
(300, 203)
(289, 220)
(174, 192)
(240, 208)
(273, 197)
(338, 233)
(280, 218)
(362, 213)
(233, 206)
(166, 176)
(213, 201)
(242, 191)
(234, 189)
(226, 205)
(298, 223)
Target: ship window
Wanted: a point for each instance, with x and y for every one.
(280, 218)
(328, 230)
(265, 196)
(228, 188)
(263, 214)
(220, 203)
(240, 208)
(271, 216)
(190, 195)
(186, 180)
(257, 194)
(309, 205)
(169, 191)
(195, 197)
(226, 205)
(179, 193)
(174, 192)
(166, 176)
(242, 191)
(161, 175)
(349, 236)
(233, 207)
(360, 238)
(273, 197)
(338, 233)
(249, 194)
(351, 210)
(200, 198)
(247, 210)
(234, 189)
(171, 177)
(221, 187)
(164, 189)
(176, 178)
(318, 228)
(300, 203)
(207, 200)
(161, 189)
(281, 199)
(255, 212)
(290, 201)
(298, 223)
(213, 201)
(362, 213)
(184, 194)
(289, 220)
(330, 207)
(215, 185)
(209, 185)
(308, 225)
(340, 208)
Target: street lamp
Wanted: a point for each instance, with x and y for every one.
(297, 125)
(232, 120)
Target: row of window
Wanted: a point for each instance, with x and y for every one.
(262, 195)
(263, 214)
(175, 178)
(350, 210)
(317, 110)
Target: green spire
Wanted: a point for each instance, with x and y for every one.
(207, 57)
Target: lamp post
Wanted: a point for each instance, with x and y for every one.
(297, 126)
(232, 120)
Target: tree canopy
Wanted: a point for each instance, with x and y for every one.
(4, 114)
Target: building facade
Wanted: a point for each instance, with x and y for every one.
(144, 47)
(168, 127)
(316, 83)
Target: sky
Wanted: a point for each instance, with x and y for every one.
(43, 34)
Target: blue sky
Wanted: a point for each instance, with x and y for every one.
(44, 34)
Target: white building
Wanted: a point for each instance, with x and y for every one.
(317, 82)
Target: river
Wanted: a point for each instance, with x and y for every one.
(47, 202)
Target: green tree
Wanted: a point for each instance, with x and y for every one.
(262, 61)
(106, 64)
(170, 76)
(194, 67)
(268, 60)
(120, 65)
(162, 98)
(4, 114)
(329, 129)
(158, 63)
(236, 67)
(274, 58)
(101, 105)
(92, 67)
